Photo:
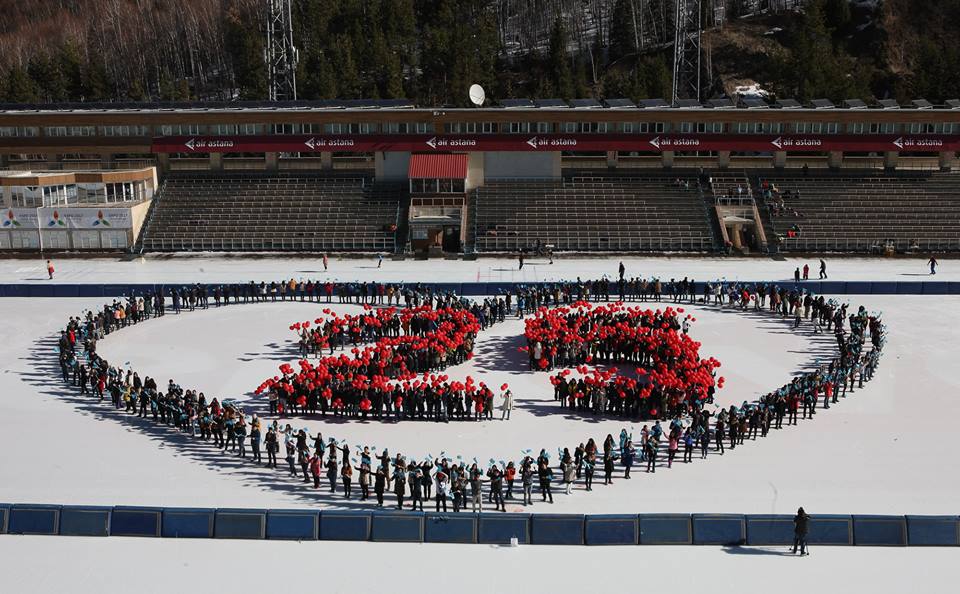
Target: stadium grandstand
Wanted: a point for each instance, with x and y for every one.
(391, 177)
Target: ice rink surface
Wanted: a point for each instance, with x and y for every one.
(885, 449)
(234, 268)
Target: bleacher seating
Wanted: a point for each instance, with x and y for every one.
(593, 213)
(237, 212)
(865, 211)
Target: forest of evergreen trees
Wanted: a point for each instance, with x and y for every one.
(431, 50)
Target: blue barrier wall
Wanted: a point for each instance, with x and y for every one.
(469, 528)
(290, 524)
(769, 530)
(611, 530)
(460, 528)
(933, 531)
(880, 530)
(484, 289)
(34, 519)
(719, 529)
(830, 530)
(188, 522)
(665, 529)
(342, 525)
(136, 521)
(240, 523)
(499, 529)
(397, 527)
(85, 521)
(556, 529)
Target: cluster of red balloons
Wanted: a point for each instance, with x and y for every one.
(670, 360)
(385, 369)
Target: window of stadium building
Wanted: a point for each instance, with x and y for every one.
(349, 128)
(758, 127)
(460, 128)
(37, 196)
(923, 128)
(644, 127)
(296, 128)
(110, 193)
(181, 129)
(236, 129)
(437, 186)
(70, 131)
(816, 127)
(408, 128)
(124, 130)
(19, 131)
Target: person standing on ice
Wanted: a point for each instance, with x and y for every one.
(932, 262)
(526, 479)
(623, 271)
(326, 261)
(506, 406)
(823, 269)
(800, 525)
(545, 474)
(50, 269)
(379, 484)
(399, 484)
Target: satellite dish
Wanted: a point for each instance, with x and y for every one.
(477, 95)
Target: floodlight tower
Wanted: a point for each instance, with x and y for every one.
(686, 51)
(280, 53)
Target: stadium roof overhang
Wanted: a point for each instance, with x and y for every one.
(438, 166)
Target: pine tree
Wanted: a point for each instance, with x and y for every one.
(136, 92)
(70, 63)
(347, 74)
(97, 86)
(319, 80)
(623, 34)
(20, 88)
(49, 79)
(558, 63)
(245, 48)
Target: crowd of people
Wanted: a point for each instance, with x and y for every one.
(395, 368)
(669, 370)
(686, 426)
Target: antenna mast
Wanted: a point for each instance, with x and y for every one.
(280, 54)
(686, 51)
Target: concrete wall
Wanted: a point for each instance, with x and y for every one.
(510, 165)
(138, 214)
(475, 171)
(392, 166)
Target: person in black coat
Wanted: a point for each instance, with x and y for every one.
(800, 524)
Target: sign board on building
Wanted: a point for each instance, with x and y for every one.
(425, 143)
(67, 218)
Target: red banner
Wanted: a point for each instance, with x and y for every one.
(425, 143)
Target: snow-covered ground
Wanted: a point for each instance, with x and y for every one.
(46, 564)
(885, 449)
(218, 268)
